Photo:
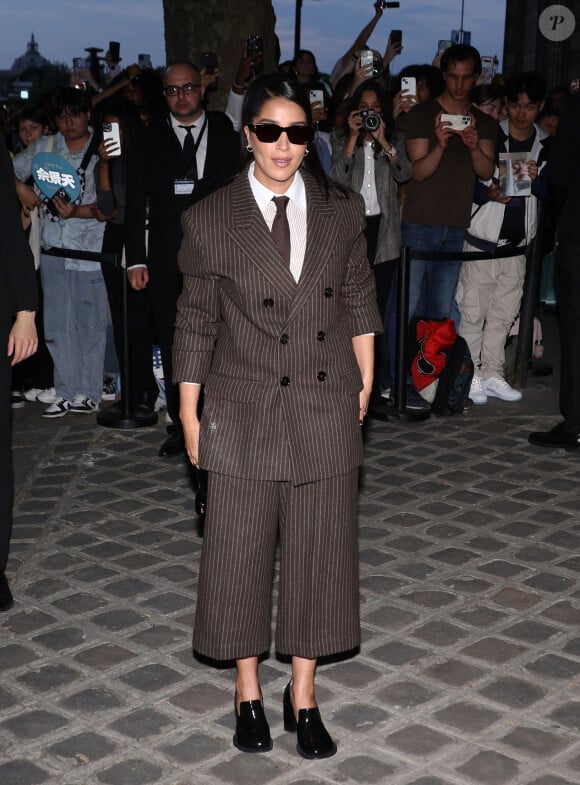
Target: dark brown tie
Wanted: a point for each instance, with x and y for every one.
(281, 228)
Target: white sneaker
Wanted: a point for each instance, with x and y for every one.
(476, 391)
(32, 394)
(57, 409)
(496, 387)
(81, 405)
(47, 396)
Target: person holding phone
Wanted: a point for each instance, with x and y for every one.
(117, 175)
(276, 320)
(372, 160)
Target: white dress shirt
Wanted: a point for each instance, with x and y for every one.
(369, 187)
(295, 210)
(181, 133)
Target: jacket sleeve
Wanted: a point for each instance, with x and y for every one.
(17, 274)
(358, 290)
(342, 168)
(198, 311)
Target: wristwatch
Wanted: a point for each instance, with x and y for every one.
(391, 152)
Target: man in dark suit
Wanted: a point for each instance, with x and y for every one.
(564, 177)
(190, 153)
(18, 340)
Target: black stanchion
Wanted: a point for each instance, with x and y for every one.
(523, 359)
(122, 416)
(380, 409)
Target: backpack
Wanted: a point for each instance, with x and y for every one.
(442, 367)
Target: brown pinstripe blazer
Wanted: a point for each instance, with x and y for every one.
(276, 358)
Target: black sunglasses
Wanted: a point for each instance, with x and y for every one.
(270, 132)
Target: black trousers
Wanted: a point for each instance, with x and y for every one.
(568, 294)
(165, 288)
(139, 326)
(6, 470)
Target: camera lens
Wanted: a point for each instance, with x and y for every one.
(371, 122)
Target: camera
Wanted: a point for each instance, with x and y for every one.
(371, 120)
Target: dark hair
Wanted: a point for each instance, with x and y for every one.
(299, 53)
(459, 53)
(35, 114)
(485, 93)
(129, 121)
(271, 86)
(379, 90)
(69, 99)
(424, 72)
(528, 82)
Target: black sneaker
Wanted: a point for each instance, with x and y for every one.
(415, 401)
(17, 399)
(57, 409)
(80, 405)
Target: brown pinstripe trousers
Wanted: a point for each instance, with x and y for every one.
(318, 600)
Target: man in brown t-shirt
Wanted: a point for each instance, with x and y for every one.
(446, 162)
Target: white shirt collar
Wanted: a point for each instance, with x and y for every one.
(263, 195)
(198, 122)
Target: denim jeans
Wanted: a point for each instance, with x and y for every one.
(75, 326)
(431, 284)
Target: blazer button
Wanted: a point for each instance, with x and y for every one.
(284, 339)
(268, 302)
(329, 291)
(321, 336)
(285, 381)
(321, 376)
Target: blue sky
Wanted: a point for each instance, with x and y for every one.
(328, 27)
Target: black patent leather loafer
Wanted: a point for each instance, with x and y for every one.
(312, 738)
(252, 729)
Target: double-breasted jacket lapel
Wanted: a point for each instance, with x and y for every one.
(253, 238)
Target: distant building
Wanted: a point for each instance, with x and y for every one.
(30, 59)
(526, 49)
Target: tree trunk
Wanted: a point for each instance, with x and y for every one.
(220, 26)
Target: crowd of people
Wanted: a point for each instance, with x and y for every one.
(265, 270)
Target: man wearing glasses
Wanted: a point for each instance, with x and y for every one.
(190, 153)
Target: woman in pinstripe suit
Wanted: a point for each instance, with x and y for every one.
(276, 321)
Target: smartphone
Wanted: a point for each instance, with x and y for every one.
(144, 62)
(111, 134)
(62, 193)
(79, 64)
(317, 98)
(409, 86)
(396, 38)
(444, 43)
(115, 50)
(254, 44)
(457, 122)
(209, 61)
(487, 68)
(367, 61)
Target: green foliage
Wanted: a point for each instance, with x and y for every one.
(45, 80)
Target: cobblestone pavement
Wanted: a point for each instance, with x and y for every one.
(470, 664)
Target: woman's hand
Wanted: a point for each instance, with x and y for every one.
(364, 400)
(532, 170)
(26, 195)
(402, 103)
(22, 340)
(64, 209)
(191, 435)
(107, 150)
(355, 123)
